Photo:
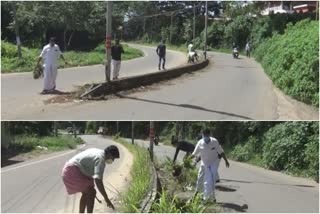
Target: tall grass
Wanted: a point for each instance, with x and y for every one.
(27, 143)
(11, 63)
(140, 174)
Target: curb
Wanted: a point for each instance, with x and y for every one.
(153, 191)
(128, 83)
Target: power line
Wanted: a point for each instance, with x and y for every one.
(169, 13)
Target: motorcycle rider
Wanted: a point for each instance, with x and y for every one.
(235, 52)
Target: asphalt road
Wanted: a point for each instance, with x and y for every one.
(228, 89)
(246, 188)
(35, 186)
(22, 91)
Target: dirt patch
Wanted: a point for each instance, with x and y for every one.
(288, 108)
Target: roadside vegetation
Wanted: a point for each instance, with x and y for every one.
(177, 196)
(11, 63)
(140, 178)
(292, 60)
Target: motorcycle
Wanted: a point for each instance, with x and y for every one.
(235, 53)
(156, 140)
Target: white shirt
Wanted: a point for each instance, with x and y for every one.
(91, 162)
(190, 48)
(50, 54)
(208, 152)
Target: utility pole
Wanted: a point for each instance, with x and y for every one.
(206, 31)
(171, 28)
(317, 10)
(16, 29)
(74, 130)
(194, 22)
(151, 136)
(55, 129)
(117, 127)
(108, 39)
(132, 132)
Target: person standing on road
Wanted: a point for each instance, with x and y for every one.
(50, 54)
(248, 49)
(116, 51)
(183, 146)
(161, 51)
(209, 150)
(83, 170)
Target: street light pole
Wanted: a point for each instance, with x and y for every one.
(206, 31)
(108, 39)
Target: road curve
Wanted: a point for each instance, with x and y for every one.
(35, 186)
(260, 190)
(21, 91)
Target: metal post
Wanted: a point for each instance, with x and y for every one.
(108, 39)
(132, 132)
(151, 136)
(206, 31)
(194, 22)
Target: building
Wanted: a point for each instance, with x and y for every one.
(289, 7)
(304, 6)
(277, 7)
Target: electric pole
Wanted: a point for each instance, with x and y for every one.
(108, 39)
(206, 31)
(16, 29)
(194, 22)
(151, 135)
(171, 28)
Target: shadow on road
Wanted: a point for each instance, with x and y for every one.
(229, 180)
(225, 189)
(185, 106)
(9, 162)
(234, 207)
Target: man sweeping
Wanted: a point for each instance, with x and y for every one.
(83, 170)
(50, 54)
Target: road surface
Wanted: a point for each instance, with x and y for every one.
(228, 89)
(35, 186)
(21, 91)
(259, 189)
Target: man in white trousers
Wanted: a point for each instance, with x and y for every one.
(50, 54)
(200, 178)
(209, 150)
(116, 51)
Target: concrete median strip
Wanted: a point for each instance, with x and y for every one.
(141, 80)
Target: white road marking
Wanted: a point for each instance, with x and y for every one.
(29, 164)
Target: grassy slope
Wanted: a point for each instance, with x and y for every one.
(10, 62)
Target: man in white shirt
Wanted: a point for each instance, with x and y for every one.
(83, 170)
(209, 150)
(50, 54)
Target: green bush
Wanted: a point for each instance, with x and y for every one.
(312, 157)
(284, 146)
(246, 151)
(292, 61)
